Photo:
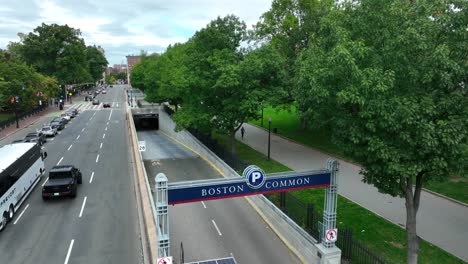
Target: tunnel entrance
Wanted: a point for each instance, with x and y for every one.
(146, 119)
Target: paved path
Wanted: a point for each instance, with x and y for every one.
(440, 221)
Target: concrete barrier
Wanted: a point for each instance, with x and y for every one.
(144, 195)
(297, 240)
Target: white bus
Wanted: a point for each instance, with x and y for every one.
(21, 168)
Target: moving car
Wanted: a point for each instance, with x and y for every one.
(36, 137)
(63, 181)
(106, 105)
(95, 102)
(49, 131)
(57, 125)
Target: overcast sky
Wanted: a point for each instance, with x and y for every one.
(124, 27)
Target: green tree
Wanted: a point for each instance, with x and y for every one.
(389, 77)
(96, 61)
(58, 51)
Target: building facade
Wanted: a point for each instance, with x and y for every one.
(131, 61)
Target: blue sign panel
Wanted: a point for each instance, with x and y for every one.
(255, 182)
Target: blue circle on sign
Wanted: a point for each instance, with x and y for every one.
(255, 177)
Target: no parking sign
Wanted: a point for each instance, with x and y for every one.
(164, 260)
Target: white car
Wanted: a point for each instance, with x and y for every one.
(49, 131)
(66, 116)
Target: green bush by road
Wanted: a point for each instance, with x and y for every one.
(288, 125)
(382, 237)
(4, 117)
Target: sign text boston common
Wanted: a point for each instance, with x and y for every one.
(254, 182)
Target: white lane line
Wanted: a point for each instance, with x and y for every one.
(217, 229)
(78, 137)
(204, 206)
(82, 207)
(110, 114)
(92, 176)
(107, 122)
(106, 129)
(69, 251)
(117, 104)
(95, 112)
(22, 212)
(60, 161)
(52, 139)
(100, 146)
(97, 158)
(103, 136)
(82, 129)
(70, 147)
(45, 182)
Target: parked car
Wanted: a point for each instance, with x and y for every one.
(74, 110)
(61, 119)
(70, 113)
(104, 92)
(36, 137)
(57, 125)
(17, 141)
(95, 102)
(49, 131)
(106, 105)
(66, 116)
(63, 181)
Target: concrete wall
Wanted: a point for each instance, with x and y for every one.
(297, 240)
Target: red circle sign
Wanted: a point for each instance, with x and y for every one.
(331, 235)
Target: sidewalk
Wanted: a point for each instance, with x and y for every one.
(27, 122)
(440, 221)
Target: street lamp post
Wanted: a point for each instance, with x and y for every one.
(261, 104)
(269, 136)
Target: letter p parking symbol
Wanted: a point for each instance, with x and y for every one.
(255, 176)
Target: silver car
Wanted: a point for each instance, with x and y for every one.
(49, 131)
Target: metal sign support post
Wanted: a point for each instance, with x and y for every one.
(162, 216)
(327, 251)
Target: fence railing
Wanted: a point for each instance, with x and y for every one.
(21, 116)
(305, 215)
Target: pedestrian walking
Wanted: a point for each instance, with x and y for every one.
(242, 132)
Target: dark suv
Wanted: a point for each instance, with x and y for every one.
(63, 181)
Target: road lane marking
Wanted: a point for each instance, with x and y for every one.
(69, 251)
(100, 146)
(92, 176)
(107, 122)
(117, 104)
(82, 207)
(69, 147)
(97, 158)
(52, 139)
(83, 129)
(106, 129)
(22, 212)
(45, 182)
(217, 229)
(60, 161)
(78, 137)
(110, 114)
(204, 206)
(103, 136)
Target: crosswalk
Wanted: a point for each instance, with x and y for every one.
(88, 106)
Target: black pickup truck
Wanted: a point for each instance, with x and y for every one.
(63, 181)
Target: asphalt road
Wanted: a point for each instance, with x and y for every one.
(100, 225)
(211, 229)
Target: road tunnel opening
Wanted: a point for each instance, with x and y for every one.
(146, 121)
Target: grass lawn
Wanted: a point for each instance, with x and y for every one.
(4, 117)
(288, 125)
(382, 237)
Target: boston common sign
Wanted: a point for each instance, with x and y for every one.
(254, 182)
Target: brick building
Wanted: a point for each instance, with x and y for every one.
(131, 61)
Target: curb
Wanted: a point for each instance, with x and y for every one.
(356, 164)
(445, 197)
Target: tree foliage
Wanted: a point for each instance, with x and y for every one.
(390, 83)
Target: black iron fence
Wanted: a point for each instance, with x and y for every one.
(305, 215)
(21, 116)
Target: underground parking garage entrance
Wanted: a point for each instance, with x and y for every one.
(146, 118)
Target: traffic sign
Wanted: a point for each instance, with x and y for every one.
(141, 145)
(164, 260)
(331, 235)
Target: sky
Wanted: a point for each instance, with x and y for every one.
(124, 27)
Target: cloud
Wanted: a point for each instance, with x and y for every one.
(124, 27)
